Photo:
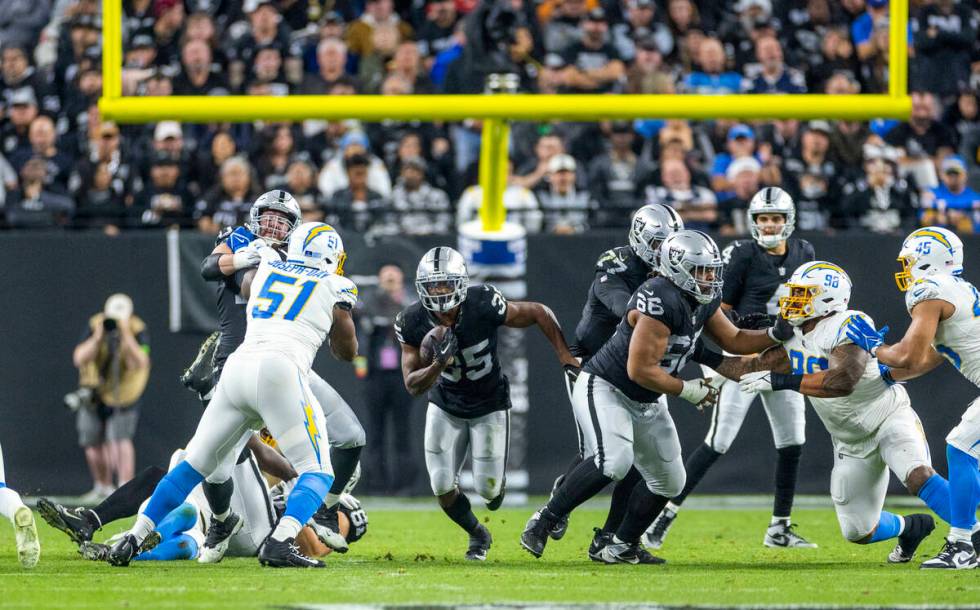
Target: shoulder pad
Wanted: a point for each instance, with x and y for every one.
(611, 261)
(843, 319)
(925, 289)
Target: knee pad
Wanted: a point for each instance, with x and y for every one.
(616, 465)
(487, 487)
(352, 436)
(442, 481)
(673, 484)
(853, 529)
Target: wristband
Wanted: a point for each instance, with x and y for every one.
(782, 381)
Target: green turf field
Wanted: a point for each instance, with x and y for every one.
(415, 556)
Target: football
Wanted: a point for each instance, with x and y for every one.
(429, 343)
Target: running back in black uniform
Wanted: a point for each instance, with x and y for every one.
(619, 272)
(752, 275)
(661, 300)
(473, 385)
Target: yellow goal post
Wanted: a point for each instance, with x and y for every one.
(495, 110)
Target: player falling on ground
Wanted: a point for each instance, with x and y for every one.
(869, 417)
(619, 272)
(265, 383)
(25, 532)
(272, 218)
(469, 397)
(616, 397)
(754, 270)
(945, 312)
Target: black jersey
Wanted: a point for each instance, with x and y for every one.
(618, 273)
(752, 275)
(473, 385)
(231, 303)
(660, 299)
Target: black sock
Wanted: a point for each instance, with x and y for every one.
(344, 464)
(461, 512)
(580, 485)
(620, 500)
(697, 466)
(572, 465)
(219, 495)
(125, 501)
(787, 467)
(644, 506)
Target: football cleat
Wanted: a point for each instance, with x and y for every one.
(25, 534)
(496, 502)
(953, 556)
(125, 549)
(557, 531)
(653, 538)
(326, 527)
(78, 523)
(600, 540)
(219, 537)
(480, 542)
(94, 551)
(917, 528)
(625, 552)
(782, 536)
(535, 534)
(285, 554)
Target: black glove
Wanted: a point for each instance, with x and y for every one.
(755, 321)
(781, 331)
(446, 348)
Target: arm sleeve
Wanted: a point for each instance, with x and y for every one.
(612, 291)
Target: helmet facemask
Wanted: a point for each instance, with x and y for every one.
(706, 282)
(442, 292)
(768, 240)
(797, 307)
(904, 277)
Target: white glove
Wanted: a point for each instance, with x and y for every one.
(249, 256)
(350, 501)
(700, 392)
(752, 383)
(267, 253)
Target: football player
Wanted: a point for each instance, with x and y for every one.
(618, 273)
(869, 416)
(25, 531)
(616, 397)
(945, 312)
(754, 270)
(469, 398)
(265, 383)
(272, 219)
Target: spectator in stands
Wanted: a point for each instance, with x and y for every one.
(565, 209)
(99, 204)
(278, 147)
(534, 173)
(817, 201)
(563, 30)
(105, 151)
(8, 182)
(813, 156)
(836, 57)
(200, 26)
(210, 159)
(970, 152)
(301, 183)
(137, 16)
(166, 30)
(945, 40)
(333, 176)
(697, 205)
(594, 65)
(520, 203)
(377, 13)
(964, 113)
(422, 209)
(923, 141)
(267, 29)
(22, 20)
(373, 66)
(740, 143)
(862, 29)
(744, 175)
(32, 205)
(140, 53)
(647, 73)
(641, 23)
(267, 76)
(880, 202)
(17, 72)
(952, 204)
(617, 177)
(331, 60)
(227, 203)
(436, 33)
(164, 201)
(21, 112)
(712, 79)
(199, 74)
(407, 63)
(44, 146)
(774, 75)
(357, 207)
(741, 30)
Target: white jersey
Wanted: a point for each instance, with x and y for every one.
(290, 310)
(958, 337)
(856, 416)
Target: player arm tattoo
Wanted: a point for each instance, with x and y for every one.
(774, 359)
(847, 364)
(419, 377)
(915, 352)
(521, 314)
(270, 460)
(733, 339)
(647, 348)
(343, 335)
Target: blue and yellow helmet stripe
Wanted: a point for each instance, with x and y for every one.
(825, 266)
(316, 232)
(937, 235)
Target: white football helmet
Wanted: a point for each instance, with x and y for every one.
(273, 228)
(650, 226)
(929, 251)
(691, 260)
(814, 290)
(317, 245)
(441, 279)
(772, 200)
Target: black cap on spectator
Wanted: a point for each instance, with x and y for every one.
(23, 97)
(647, 43)
(596, 14)
(357, 159)
(621, 127)
(142, 40)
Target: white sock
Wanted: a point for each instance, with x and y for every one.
(287, 528)
(331, 500)
(778, 521)
(674, 508)
(901, 524)
(142, 528)
(223, 515)
(9, 502)
(957, 534)
(616, 539)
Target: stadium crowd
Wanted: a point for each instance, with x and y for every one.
(61, 166)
